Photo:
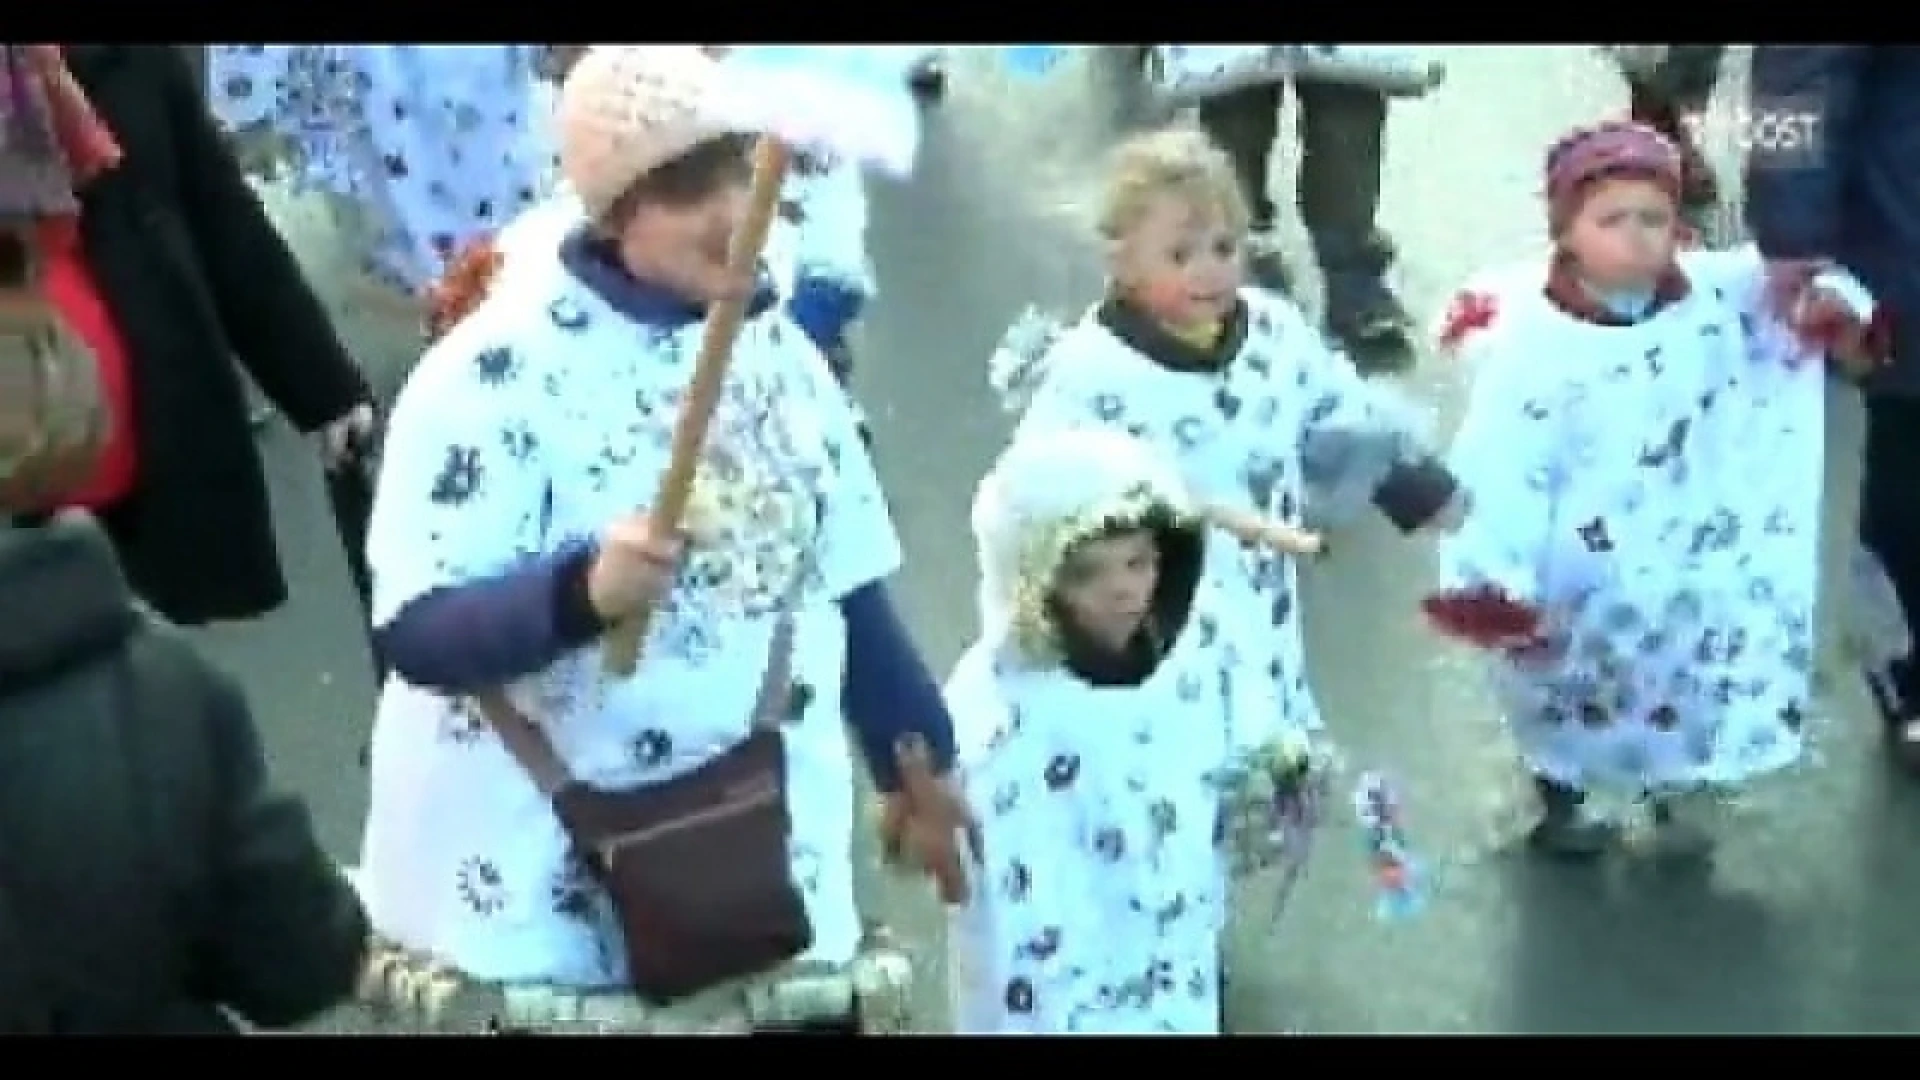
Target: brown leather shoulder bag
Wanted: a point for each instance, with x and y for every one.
(697, 867)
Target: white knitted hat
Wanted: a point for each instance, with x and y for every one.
(625, 110)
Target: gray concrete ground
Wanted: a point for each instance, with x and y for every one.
(1805, 926)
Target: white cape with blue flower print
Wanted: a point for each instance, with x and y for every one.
(1282, 416)
(540, 418)
(1102, 889)
(821, 232)
(1102, 892)
(424, 147)
(1654, 490)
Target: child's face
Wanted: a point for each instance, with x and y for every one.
(1624, 234)
(1181, 262)
(1106, 587)
(682, 238)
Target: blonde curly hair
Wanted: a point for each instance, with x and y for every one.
(1179, 162)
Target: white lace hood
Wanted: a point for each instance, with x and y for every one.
(1044, 495)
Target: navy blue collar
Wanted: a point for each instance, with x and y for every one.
(592, 262)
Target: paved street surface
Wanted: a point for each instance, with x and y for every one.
(1808, 925)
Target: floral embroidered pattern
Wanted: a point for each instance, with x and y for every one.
(506, 446)
(433, 144)
(1668, 595)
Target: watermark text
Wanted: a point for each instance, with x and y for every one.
(1779, 133)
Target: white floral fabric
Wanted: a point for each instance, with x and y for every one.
(543, 416)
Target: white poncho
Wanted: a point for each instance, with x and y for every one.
(424, 147)
(1283, 413)
(1099, 905)
(1655, 489)
(540, 418)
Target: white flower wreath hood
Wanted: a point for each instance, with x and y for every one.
(1047, 493)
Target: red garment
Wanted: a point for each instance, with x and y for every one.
(71, 288)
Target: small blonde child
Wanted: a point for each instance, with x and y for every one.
(1231, 383)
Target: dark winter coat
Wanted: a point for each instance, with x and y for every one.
(197, 277)
(149, 876)
(1858, 200)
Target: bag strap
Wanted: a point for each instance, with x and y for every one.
(533, 749)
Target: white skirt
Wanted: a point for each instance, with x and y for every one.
(1183, 74)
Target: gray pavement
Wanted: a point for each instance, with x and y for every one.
(1805, 927)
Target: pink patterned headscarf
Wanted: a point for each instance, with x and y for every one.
(1605, 150)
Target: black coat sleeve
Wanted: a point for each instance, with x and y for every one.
(291, 936)
(1794, 211)
(275, 322)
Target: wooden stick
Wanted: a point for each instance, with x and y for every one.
(1253, 529)
(770, 162)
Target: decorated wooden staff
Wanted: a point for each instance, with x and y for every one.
(848, 101)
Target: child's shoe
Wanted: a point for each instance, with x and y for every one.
(1565, 830)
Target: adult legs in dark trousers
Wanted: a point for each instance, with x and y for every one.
(1679, 86)
(1890, 528)
(1342, 142)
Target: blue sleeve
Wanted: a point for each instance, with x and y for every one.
(889, 692)
(467, 638)
(1793, 208)
(824, 307)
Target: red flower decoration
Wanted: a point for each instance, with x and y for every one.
(462, 287)
(1470, 311)
(1483, 616)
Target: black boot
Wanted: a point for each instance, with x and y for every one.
(1362, 313)
(1564, 831)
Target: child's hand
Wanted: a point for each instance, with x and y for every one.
(1483, 616)
(1828, 320)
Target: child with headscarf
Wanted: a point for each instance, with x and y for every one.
(1643, 446)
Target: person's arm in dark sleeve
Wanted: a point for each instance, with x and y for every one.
(1414, 493)
(278, 328)
(288, 937)
(889, 693)
(1793, 206)
(464, 639)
